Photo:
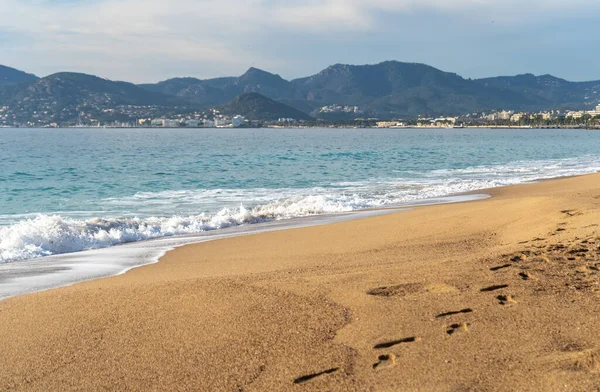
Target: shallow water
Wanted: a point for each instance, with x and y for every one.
(66, 190)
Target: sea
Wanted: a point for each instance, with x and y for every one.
(76, 204)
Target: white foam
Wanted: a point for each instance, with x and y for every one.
(44, 273)
(45, 235)
(65, 269)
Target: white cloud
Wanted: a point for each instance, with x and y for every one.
(130, 34)
(137, 39)
(240, 16)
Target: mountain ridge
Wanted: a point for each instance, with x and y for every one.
(10, 76)
(396, 89)
(217, 91)
(389, 89)
(557, 91)
(64, 96)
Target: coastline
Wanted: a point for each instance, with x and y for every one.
(394, 302)
(345, 126)
(61, 270)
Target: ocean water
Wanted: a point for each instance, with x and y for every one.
(69, 190)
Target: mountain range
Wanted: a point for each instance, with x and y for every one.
(10, 76)
(390, 89)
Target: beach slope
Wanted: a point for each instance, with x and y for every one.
(500, 294)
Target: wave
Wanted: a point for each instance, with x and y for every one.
(45, 235)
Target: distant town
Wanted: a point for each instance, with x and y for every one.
(213, 118)
(507, 119)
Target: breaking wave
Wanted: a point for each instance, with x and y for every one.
(45, 235)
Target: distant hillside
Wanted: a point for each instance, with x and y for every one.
(388, 89)
(555, 91)
(189, 88)
(217, 91)
(10, 76)
(62, 97)
(400, 89)
(254, 106)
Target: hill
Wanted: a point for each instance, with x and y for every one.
(555, 91)
(10, 76)
(211, 92)
(62, 97)
(394, 88)
(255, 106)
(388, 89)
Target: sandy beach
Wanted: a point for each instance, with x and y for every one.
(499, 294)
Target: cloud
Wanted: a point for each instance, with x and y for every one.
(145, 40)
(240, 16)
(130, 34)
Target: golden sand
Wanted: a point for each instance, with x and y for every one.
(493, 295)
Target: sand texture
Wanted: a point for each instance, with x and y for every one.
(494, 295)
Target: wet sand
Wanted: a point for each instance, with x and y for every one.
(500, 294)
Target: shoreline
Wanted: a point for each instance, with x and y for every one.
(62, 270)
(137, 254)
(26, 276)
(345, 126)
(499, 294)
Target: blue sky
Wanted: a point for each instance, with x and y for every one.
(152, 40)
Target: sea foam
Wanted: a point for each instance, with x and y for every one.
(45, 235)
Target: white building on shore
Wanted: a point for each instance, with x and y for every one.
(238, 121)
(222, 122)
(580, 113)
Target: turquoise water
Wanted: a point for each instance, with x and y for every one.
(65, 190)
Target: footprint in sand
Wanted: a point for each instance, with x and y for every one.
(385, 361)
(454, 328)
(393, 343)
(506, 300)
(399, 290)
(309, 377)
(494, 288)
(519, 258)
(584, 360)
(581, 251)
(526, 276)
(498, 268)
(572, 213)
(468, 310)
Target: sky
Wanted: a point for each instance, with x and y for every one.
(152, 40)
